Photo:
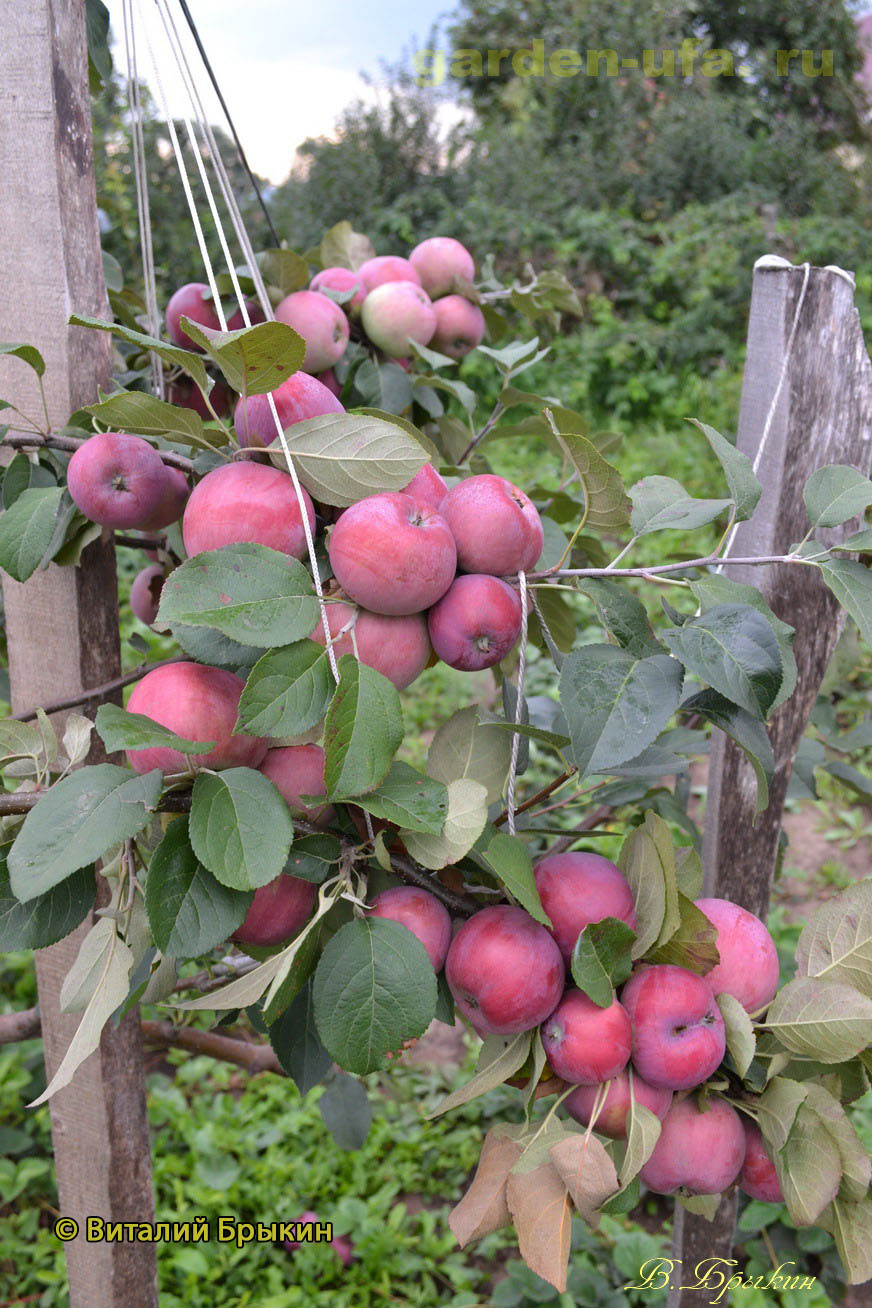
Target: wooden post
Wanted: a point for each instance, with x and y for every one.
(62, 625)
(824, 415)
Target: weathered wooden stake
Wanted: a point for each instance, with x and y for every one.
(62, 625)
(824, 415)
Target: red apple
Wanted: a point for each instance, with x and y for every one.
(579, 888)
(504, 971)
(300, 397)
(397, 647)
(697, 1152)
(117, 480)
(442, 262)
(297, 770)
(277, 912)
(397, 313)
(329, 379)
(189, 302)
(612, 1117)
(321, 323)
(386, 268)
(342, 280)
(145, 593)
(460, 326)
(586, 1044)
(422, 913)
(496, 526)
(236, 321)
(187, 394)
(476, 623)
(246, 501)
(392, 555)
(172, 506)
(678, 1031)
(748, 969)
(759, 1178)
(197, 703)
(427, 487)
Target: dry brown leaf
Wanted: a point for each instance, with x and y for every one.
(541, 1210)
(587, 1171)
(483, 1208)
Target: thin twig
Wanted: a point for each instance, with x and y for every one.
(24, 1025)
(540, 794)
(253, 1056)
(141, 542)
(587, 824)
(95, 692)
(660, 568)
(496, 414)
(415, 876)
(72, 443)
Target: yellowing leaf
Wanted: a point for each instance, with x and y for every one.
(484, 1208)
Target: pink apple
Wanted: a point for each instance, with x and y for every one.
(236, 321)
(397, 313)
(172, 506)
(427, 487)
(277, 912)
(189, 302)
(300, 397)
(397, 647)
(748, 969)
(246, 501)
(342, 280)
(697, 1152)
(197, 703)
(504, 971)
(442, 262)
(386, 268)
(116, 480)
(329, 379)
(496, 526)
(678, 1031)
(612, 1117)
(297, 770)
(759, 1178)
(586, 1044)
(145, 593)
(460, 326)
(422, 913)
(476, 623)
(392, 555)
(320, 322)
(579, 888)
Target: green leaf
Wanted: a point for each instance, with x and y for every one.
(713, 589)
(748, 732)
(734, 649)
(207, 645)
(616, 704)
(511, 862)
(298, 1047)
(254, 360)
(606, 501)
(189, 912)
(741, 1041)
(342, 247)
(47, 918)
(149, 416)
(661, 502)
(314, 858)
(252, 594)
(850, 1225)
(407, 798)
(825, 1020)
(738, 470)
(602, 959)
(464, 823)
(19, 740)
(28, 354)
(647, 860)
(834, 494)
(861, 541)
(284, 269)
(464, 748)
(623, 615)
(346, 1110)
(76, 821)
(692, 943)
(363, 731)
(383, 386)
(119, 729)
(851, 583)
(26, 530)
(187, 360)
(501, 1057)
(287, 691)
(837, 942)
(240, 827)
(809, 1167)
(374, 988)
(343, 457)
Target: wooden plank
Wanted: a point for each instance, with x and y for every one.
(824, 415)
(62, 625)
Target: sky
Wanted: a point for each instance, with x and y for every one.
(286, 70)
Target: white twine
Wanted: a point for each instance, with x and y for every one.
(516, 738)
